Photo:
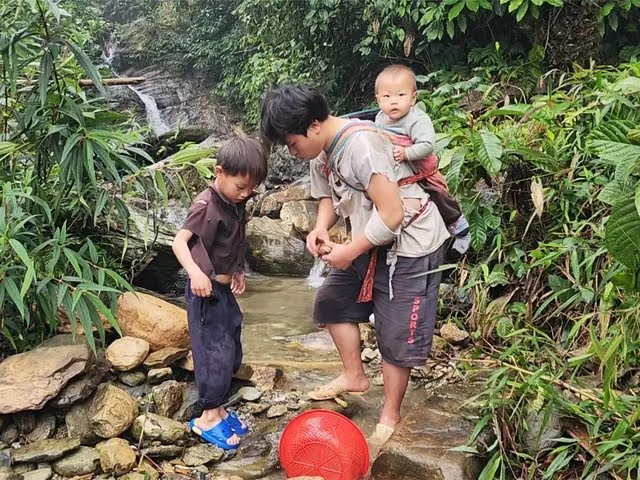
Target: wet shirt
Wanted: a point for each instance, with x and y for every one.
(218, 226)
(365, 154)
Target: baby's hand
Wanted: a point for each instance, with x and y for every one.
(399, 155)
(238, 283)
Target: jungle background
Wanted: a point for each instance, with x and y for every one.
(537, 107)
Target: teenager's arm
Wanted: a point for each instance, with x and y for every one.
(327, 216)
(386, 217)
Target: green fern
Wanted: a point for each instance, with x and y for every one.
(488, 150)
(623, 233)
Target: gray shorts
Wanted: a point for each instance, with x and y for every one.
(405, 324)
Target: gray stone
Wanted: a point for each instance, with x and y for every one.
(39, 474)
(78, 423)
(82, 461)
(45, 450)
(112, 411)
(80, 387)
(44, 428)
(368, 354)
(201, 454)
(250, 394)
(116, 456)
(274, 248)
(159, 375)
(277, 411)
(190, 407)
(6, 474)
(163, 451)
(167, 397)
(157, 428)
(420, 446)
(165, 357)
(133, 379)
(5, 458)
(9, 434)
(541, 433)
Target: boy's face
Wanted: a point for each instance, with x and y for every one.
(235, 188)
(396, 95)
(306, 147)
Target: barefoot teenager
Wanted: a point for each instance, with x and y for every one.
(397, 233)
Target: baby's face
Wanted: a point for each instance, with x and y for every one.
(396, 95)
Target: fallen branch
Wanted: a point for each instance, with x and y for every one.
(87, 82)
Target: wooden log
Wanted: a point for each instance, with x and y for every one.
(86, 82)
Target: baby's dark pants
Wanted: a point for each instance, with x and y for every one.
(214, 326)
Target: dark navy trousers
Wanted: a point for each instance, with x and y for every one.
(215, 325)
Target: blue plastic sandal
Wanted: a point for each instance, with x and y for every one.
(218, 435)
(237, 426)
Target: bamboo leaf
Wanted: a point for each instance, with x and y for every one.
(87, 66)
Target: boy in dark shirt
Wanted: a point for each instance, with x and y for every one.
(211, 248)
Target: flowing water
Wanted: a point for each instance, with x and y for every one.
(154, 120)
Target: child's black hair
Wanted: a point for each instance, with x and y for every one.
(243, 155)
(290, 110)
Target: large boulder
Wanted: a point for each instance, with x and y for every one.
(420, 447)
(301, 213)
(112, 411)
(29, 380)
(274, 248)
(272, 203)
(81, 386)
(154, 320)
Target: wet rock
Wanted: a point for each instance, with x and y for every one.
(267, 378)
(116, 456)
(39, 474)
(154, 320)
(25, 421)
(301, 213)
(274, 248)
(165, 357)
(187, 362)
(420, 446)
(127, 353)
(201, 454)
(167, 398)
(454, 335)
(293, 406)
(157, 428)
(438, 343)
(45, 450)
(244, 372)
(316, 341)
(272, 203)
(81, 387)
(163, 451)
(277, 411)
(28, 380)
(148, 470)
(44, 428)
(159, 375)
(250, 394)
(133, 379)
(82, 461)
(78, 423)
(10, 475)
(112, 411)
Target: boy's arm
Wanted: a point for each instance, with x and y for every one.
(200, 282)
(423, 135)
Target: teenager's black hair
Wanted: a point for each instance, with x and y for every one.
(243, 155)
(291, 109)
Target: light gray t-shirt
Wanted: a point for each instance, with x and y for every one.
(367, 153)
(417, 125)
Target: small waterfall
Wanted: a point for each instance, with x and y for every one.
(109, 49)
(315, 278)
(154, 120)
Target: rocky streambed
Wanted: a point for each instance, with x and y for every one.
(122, 412)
